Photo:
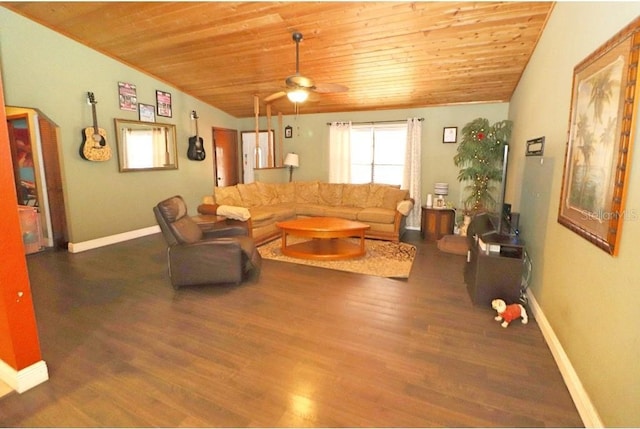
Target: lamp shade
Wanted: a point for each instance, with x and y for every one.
(292, 160)
(441, 188)
(297, 95)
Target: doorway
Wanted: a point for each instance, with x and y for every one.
(225, 150)
(33, 139)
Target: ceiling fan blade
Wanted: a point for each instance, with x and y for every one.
(274, 96)
(325, 88)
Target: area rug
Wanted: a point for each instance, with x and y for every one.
(383, 258)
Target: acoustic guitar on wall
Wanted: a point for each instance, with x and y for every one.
(196, 146)
(94, 146)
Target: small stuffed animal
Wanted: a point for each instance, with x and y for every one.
(508, 313)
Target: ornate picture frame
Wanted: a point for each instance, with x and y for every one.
(596, 167)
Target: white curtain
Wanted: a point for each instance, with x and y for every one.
(412, 175)
(340, 152)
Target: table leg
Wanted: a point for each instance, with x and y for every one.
(284, 240)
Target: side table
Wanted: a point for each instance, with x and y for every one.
(436, 223)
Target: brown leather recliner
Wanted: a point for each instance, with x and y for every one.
(224, 254)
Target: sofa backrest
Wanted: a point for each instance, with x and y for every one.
(311, 192)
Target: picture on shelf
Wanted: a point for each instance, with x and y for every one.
(147, 112)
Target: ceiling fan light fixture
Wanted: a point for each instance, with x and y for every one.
(297, 95)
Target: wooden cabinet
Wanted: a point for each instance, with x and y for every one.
(436, 223)
(494, 268)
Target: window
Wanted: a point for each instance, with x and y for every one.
(377, 153)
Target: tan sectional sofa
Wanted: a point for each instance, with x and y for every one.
(383, 207)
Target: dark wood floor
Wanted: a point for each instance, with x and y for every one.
(303, 346)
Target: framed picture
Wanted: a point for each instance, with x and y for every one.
(596, 165)
(450, 135)
(163, 101)
(147, 112)
(127, 96)
(288, 132)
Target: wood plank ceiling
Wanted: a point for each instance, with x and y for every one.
(389, 54)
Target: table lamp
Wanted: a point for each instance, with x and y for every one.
(441, 189)
(291, 160)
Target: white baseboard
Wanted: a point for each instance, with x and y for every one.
(588, 413)
(112, 239)
(26, 378)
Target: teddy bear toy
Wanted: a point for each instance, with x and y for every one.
(508, 313)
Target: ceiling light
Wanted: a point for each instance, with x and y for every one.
(297, 95)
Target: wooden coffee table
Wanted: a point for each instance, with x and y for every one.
(327, 238)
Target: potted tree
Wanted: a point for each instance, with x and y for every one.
(480, 156)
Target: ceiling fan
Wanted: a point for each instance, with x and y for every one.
(299, 87)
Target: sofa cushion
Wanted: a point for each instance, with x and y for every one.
(330, 194)
(250, 194)
(376, 195)
(284, 211)
(262, 215)
(307, 192)
(344, 212)
(310, 210)
(355, 195)
(268, 193)
(228, 195)
(393, 196)
(286, 192)
(376, 214)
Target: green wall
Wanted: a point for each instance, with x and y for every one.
(590, 298)
(42, 69)
(311, 141)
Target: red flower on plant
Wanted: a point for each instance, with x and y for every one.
(480, 136)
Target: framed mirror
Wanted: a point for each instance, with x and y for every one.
(144, 146)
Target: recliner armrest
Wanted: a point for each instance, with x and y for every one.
(222, 231)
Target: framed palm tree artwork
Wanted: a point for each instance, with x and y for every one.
(601, 125)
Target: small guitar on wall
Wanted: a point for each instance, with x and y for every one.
(196, 145)
(94, 146)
